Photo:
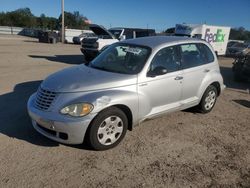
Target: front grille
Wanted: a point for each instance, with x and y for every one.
(44, 99)
(89, 40)
(90, 43)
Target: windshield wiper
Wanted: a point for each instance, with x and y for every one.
(105, 69)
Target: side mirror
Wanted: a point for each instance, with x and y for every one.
(123, 37)
(157, 71)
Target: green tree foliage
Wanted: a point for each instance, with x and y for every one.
(23, 17)
(44, 22)
(239, 34)
(73, 20)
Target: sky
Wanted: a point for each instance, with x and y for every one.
(155, 14)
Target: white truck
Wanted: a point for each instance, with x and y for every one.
(92, 46)
(217, 36)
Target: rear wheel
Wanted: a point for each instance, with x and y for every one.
(108, 129)
(208, 99)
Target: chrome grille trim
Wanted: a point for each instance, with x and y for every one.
(44, 99)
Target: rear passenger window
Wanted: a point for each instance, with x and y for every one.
(190, 56)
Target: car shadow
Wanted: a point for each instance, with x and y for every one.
(244, 103)
(228, 77)
(31, 41)
(14, 119)
(15, 122)
(68, 59)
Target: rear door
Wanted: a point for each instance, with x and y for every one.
(196, 62)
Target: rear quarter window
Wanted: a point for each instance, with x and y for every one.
(190, 56)
(195, 54)
(206, 53)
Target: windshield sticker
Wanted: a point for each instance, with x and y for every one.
(133, 50)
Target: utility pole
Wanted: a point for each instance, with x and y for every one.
(62, 31)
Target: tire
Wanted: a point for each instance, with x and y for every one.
(208, 99)
(107, 129)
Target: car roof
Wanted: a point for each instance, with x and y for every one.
(157, 41)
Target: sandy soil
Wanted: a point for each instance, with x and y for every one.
(182, 149)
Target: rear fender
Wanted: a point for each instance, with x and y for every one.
(214, 76)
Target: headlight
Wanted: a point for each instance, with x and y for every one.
(77, 110)
(96, 45)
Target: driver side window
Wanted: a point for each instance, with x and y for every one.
(167, 58)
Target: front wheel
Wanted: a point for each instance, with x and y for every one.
(107, 129)
(208, 99)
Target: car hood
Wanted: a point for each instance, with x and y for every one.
(83, 78)
(101, 31)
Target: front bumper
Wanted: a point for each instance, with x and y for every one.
(90, 53)
(60, 128)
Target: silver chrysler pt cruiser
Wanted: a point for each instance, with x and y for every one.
(129, 82)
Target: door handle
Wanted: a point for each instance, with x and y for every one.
(178, 78)
(206, 70)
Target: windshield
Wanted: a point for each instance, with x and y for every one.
(116, 32)
(122, 58)
(87, 35)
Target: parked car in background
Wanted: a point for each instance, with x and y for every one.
(92, 46)
(238, 49)
(48, 37)
(131, 81)
(233, 42)
(78, 39)
(241, 67)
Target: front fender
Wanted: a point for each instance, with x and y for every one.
(104, 99)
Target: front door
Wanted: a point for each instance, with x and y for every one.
(160, 90)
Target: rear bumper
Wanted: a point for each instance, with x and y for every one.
(223, 87)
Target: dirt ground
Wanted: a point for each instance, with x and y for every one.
(181, 149)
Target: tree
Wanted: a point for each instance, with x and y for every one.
(44, 22)
(73, 20)
(23, 17)
(239, 34)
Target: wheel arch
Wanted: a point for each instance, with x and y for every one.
(217, 86)
(214, 83)
(128, 113)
